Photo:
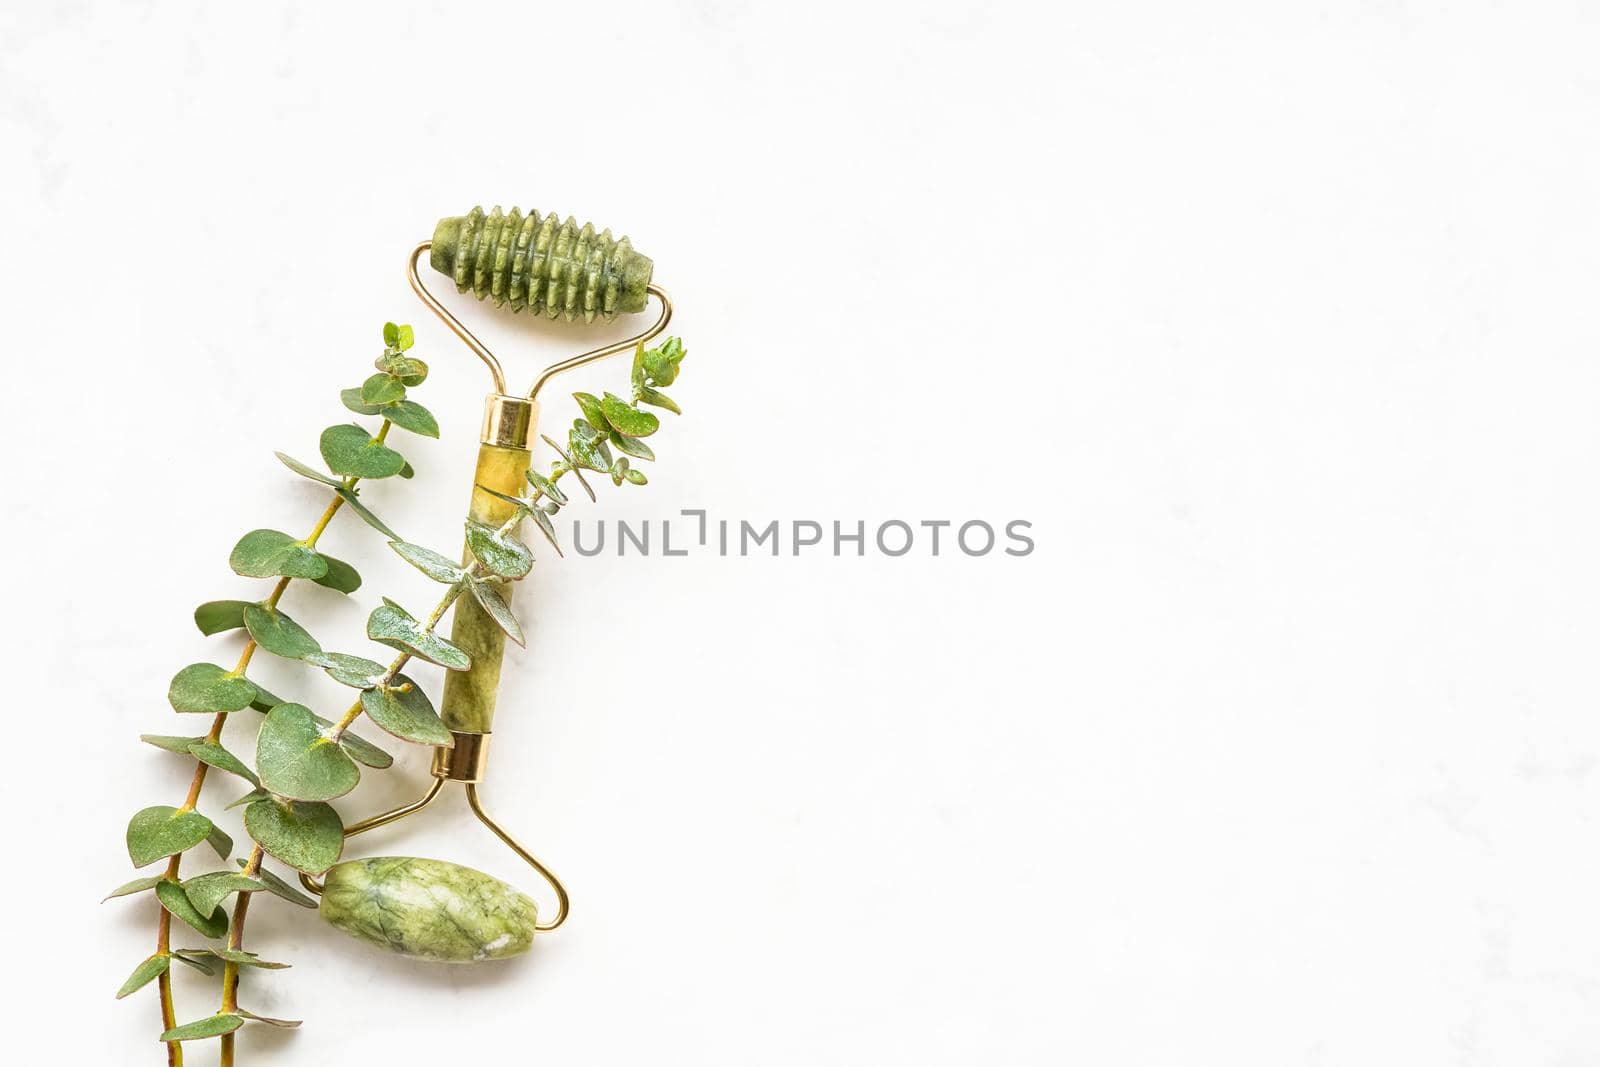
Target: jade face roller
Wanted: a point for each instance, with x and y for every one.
(426, 909)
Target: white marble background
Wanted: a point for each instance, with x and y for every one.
(1277, 320)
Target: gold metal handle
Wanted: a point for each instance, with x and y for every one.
(466, 335)
(563, 903)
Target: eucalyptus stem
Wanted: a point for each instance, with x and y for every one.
(169, 1017)
(197, 783)
(230, 969)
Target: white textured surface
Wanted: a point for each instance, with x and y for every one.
(1279, 324)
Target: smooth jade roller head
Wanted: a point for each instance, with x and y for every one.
(541, 263)
(429, 909)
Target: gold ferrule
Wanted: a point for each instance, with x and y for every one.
(508, 421)
(463, 762)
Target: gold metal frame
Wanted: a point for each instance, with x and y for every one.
(563, 901)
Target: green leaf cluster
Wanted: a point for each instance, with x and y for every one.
(653, 370)
(384, 393)
(609, 421)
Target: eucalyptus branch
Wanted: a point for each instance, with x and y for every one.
(197, 783)
(169, 832)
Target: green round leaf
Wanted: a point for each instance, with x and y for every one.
(546, 486)
(381, 389)
(567, 461)
(410, 415)
(161, 831)
(307, 471)
(658, 400)
(392, 625)
(589, 448)
(409, 370)
(206, 891)
(207, 687)
(351, 398)
(349, 449)
(195, 958)
(277, 633)
(266, 701)
(659, 366)
(494, 605)
(297, 759)
(365, 752)
(249, 798)
(632, 446)
(354, 671)
(439, 568)
(409, 715)
(274, 554)
(238, 956)
(175, 900)
(220, 842)
(217, 616)
(279, 888)
(211, 1026)
(592, 411)
(308, 837)
(213, 754)
(626, 419)
(180, 745)
(144, 974)
(502, 553)
(635, 476)
(350, 498)
(341, 577)
(138, 885)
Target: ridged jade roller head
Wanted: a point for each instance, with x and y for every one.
(541, 263)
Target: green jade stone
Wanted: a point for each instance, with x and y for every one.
(541, 263)
(428, 909)
(470, 695)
